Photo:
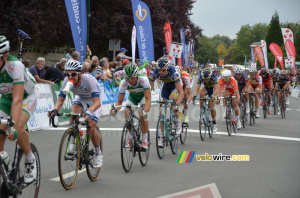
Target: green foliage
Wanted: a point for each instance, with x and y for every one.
(235, 55)
(206, 51)
(222, 51)
(217, 40)
(274, 34)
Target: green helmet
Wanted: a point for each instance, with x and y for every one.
(130, 70)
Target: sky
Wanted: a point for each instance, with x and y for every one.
(225, 17)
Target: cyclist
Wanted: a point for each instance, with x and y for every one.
(87, 99)
(139, 89)
(187, 89)
(283, 82)
(256, 86)
(275, 74)
(172, 88)
(18, 100)
(207, 84)
(231, 88)
(267, 83)
(243, 84)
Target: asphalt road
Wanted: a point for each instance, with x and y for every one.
(273, 169)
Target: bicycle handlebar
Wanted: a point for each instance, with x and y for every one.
(9, 123)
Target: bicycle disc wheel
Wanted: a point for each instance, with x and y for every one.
(144, 155)
(202, 130)
(68, 165)
(183, 133)
(90, 153)
(32, 190)
(127, 149)
(228, 122)
(159, 134)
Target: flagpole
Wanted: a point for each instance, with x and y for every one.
(88, 21)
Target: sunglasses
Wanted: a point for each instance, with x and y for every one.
(130, 78)
(238, 74)
(226, 78)
(162, 70)
(72, 74)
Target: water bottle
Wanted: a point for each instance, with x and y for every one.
(68, 87)
(5, 157)
(135, 126)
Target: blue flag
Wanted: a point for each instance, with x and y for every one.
(78, 21)
(182, 40)
(142, 20)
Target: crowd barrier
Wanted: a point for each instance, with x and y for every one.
(296, 92)
(47, 96)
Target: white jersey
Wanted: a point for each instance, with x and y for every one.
(14, 73)
(138, 90)
(88, 89)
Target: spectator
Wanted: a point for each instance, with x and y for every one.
(95, 60)
(38, 71)
(26, 63)
(153, 65)
(125, 62)
(106, 59)
(86, 66)
(118, 58)
(68, 55)
(56, 72)
(101, 70)
(122, 53)
(75, 56)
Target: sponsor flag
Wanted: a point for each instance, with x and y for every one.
(182, 40)
(78, 21)
(264, 49)
(168, 38)
(142, 20)
(289, 63)
(276, 50)
(287, 34)
(288, 39)
(133, 43)
(259, 55)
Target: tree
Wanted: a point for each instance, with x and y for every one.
(274, 34)
(222, 51)
(206, 51)
(217, 40)
(235, 55)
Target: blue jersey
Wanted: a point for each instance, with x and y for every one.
(212, 81)
(172, 76)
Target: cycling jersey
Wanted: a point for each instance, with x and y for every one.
(256, 82)
(14, 73)
(274, 78)
(186, 80)
(231, 85)
(136, 93)
(84, 94)
(282, 81)
(242, 81)
(266, 80)
(211, 83)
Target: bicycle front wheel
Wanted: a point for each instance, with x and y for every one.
(209, 129)
(127, 147)
(202, 130)
(68, 162)
(160, 138)
(144, 155)
(174, 144)
(183, 133)
(90, 153)
(228, 122)
(32, 190)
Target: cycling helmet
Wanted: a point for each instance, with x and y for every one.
(73, 65)
(252, 71)
(226, 73)
(206, 73)
(163, 63)
(4, 45)
(238, 70)
(130, 70)
(283, 72)
(263, 70)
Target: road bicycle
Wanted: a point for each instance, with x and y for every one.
(165, 132)
(22, 36)
(84, 153)
(231, 118)
(243, 110)
(131, 140)
(274, 101)
(204, 119)
(252, 106)
(283, 102)
(184, 125)
(265, 102)
(13, 178)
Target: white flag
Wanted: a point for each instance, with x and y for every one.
(133, 43)
(264, 49)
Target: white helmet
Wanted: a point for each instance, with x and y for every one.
(73, 65)
(226, 73)
(4, 45)
(252, 71)
(238, 70)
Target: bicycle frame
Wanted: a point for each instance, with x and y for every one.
(167, 123)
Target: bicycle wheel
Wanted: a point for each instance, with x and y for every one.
(144, 155)
(228, 121)
(209, 128)
(265, 107)
(32, 190)
(274, 105)
(183, 133)
(243, 114)
(251, 114)
(174, 144)
(68, 165)
(234, 121)
(127, 148)
(202, 131)
(90, 154)
(160, 136)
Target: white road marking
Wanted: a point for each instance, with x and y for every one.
(209, 190)
(197, 131)
(67, 175)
